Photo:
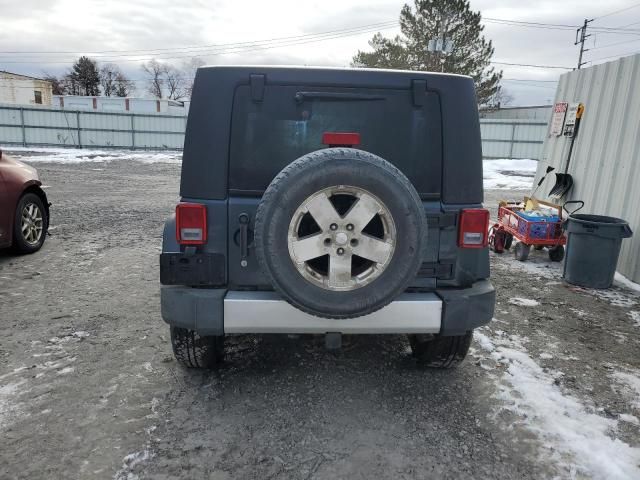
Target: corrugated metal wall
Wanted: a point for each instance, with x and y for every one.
(511, 138)
(57, 127)
(605, 163)
(53, 127)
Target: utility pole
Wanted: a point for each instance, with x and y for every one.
(581, 36)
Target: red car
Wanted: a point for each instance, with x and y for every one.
(24, 209)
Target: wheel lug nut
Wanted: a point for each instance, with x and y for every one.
(333, 226)
(340, 251)
(350, 227)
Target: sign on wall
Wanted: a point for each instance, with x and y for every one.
(557, 121)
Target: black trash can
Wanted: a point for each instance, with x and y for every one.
(593, 246)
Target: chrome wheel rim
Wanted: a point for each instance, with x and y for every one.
(341, 238)
(32, 223)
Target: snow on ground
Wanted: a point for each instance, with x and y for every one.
(581, 437)
(75, 155)
(509, 174)
(623, 281)
(524, 302)
(631, 383)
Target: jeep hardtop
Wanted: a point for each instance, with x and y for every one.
(328, 201)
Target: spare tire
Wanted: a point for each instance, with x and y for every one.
(339, 233)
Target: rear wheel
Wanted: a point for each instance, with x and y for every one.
(556, 254)
(499, 238)
(440, 352)
(30, 224)
(508, 241)
(195, 351)
(521, 251)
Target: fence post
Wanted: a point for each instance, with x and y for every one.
(24, 136)
(133, 132)
(78, 127)
(513, 137)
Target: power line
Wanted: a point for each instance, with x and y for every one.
(387, 24)
(618, 11)
(614, 44)
(531, 65)
(212, 53)
(529, 80)
(623, 54)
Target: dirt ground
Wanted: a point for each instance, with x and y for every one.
(89, 387)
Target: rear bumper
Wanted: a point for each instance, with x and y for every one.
(219, 312)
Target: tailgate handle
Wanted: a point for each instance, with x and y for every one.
(302, 96)
(243, 219)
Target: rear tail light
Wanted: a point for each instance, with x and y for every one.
(340, 139)
(191, 224)
(474, 228)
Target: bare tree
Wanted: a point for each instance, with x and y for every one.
(123, 86)
(108, 74)
(156, 72)
(57, 83)
(190, 69)
(176, 83)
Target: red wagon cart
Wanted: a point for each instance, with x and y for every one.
(530, 229)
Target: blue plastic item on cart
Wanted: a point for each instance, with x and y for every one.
(545, 228)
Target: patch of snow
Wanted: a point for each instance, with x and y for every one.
(74, 155)
(625, 417)
(631, 383)
(130, 461)
(523, 302)
(484, 341)
(562, 421)
(623, 281)
(80, 334)
(66, 370)
(513, 174)
(635, 316)
(545, 356)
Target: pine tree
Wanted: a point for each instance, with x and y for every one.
(437, 19)
(85, 75)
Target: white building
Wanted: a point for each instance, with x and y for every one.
(24, 90)
(120, 104)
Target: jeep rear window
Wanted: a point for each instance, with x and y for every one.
(290, 120)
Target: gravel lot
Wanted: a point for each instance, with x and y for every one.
(89, 387)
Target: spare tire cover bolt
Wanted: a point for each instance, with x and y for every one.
(333, 226)
(340, 251)
(350, 227)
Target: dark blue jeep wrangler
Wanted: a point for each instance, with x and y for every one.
(328, 201)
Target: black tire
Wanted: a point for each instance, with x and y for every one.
(508, 241)
(498, 242)
(20, 243)
(522, 251)
(324, 169)
(195, 351)
(556, 254)
(440, 352)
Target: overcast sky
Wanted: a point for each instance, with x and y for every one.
(129, 29)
